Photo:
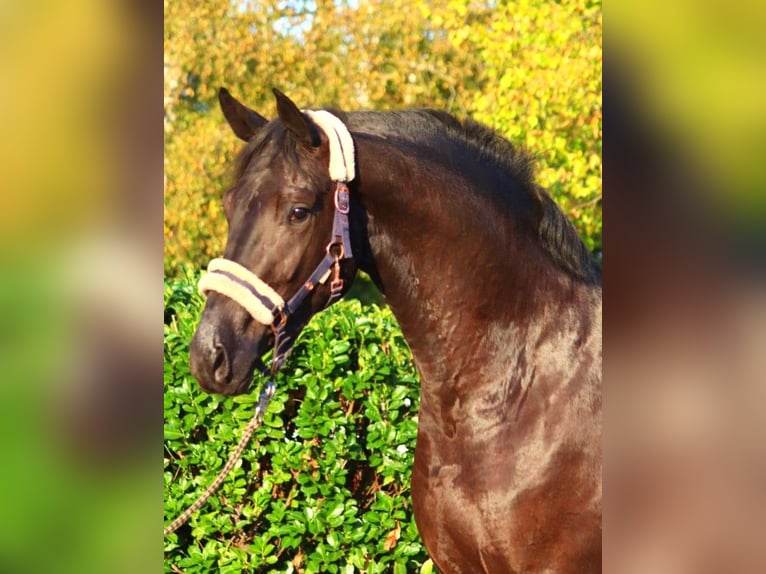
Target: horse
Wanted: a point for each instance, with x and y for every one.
(496, 295)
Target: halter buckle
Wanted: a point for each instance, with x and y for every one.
(336, 284)
(280, 318)
(341, 197)
(336, 287)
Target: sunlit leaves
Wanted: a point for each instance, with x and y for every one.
(530, 68)
(540, 86)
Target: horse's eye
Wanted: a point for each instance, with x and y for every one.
(298, 214)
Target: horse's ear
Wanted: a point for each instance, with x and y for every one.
(296, 121)
(243, 121)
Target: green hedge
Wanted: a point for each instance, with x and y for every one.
(324, 486)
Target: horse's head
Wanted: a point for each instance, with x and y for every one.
(284, 258)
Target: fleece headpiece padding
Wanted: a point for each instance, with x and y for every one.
(342, 167)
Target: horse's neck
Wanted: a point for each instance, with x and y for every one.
(476, 300)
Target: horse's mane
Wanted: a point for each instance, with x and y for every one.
(557, 234)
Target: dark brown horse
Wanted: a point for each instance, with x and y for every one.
(496, 294)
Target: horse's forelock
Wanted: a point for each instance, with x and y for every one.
(273, 139)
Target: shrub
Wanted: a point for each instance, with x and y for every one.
(324, 486)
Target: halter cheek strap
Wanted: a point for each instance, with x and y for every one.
(264, 304)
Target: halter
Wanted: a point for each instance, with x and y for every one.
(264, 304)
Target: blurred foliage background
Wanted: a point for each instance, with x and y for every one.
(531, 69)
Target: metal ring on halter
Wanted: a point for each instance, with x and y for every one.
(341, 251)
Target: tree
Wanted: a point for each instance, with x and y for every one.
(531, 70)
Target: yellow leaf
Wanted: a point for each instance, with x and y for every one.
(392, 537)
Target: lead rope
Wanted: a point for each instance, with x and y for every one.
(227, 277)
(255, 422)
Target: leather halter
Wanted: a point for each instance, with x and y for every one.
(337, 250)
(257, 297)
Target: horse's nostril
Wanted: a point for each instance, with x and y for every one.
(219, 355)
(221, 371)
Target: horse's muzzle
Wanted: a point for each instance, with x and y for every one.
(223, 359)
